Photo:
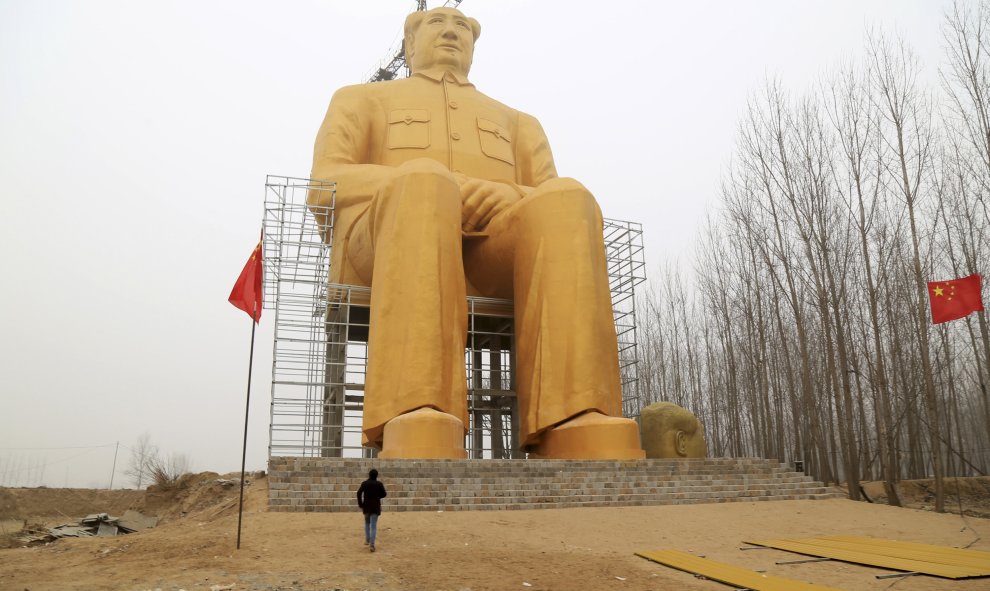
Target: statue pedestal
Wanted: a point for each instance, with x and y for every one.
(424, 433)
(591, 436)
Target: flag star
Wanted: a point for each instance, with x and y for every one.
(938, 291)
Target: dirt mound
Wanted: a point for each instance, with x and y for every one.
(971, 493)
(206, 495)
(207, 492)
(57, 504)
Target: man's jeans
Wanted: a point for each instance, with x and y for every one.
(370, 527)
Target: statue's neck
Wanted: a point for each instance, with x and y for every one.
(437, 73)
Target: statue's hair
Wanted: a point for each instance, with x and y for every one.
(415, 19)
(675, 416)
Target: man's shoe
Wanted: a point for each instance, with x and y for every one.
(372, 547)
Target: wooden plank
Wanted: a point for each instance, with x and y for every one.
(728, 574)
(923, 552)
(941, 554)
(811, 547)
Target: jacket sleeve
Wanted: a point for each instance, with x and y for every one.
(382, 486)
(534, 160)
(360, 494)
(344, 147)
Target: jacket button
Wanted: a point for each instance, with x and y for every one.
(455, 136)
(453, 104)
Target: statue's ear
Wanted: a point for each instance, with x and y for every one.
(680, 443)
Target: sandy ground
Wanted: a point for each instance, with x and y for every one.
(560, 549)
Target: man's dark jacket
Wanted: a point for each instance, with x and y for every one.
(370, 496)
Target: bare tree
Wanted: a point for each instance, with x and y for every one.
(143, 454)
(910, 136)
(166, 471)
(803, 332)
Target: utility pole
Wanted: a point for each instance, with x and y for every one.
(114, 469)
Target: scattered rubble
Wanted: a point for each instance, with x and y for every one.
(97, 524)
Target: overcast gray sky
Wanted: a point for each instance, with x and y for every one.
(135, 138)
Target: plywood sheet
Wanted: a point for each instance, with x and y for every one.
(943, 554)
(940, 561)
(726, 573)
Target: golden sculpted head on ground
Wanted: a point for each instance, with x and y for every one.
(670, 431)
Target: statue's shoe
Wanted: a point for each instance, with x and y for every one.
(424, 433)
(591, 436)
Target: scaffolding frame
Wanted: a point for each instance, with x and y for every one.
(321, 331)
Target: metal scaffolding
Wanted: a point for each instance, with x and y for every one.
(321, 332)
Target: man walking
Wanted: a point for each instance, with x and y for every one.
(369, 498)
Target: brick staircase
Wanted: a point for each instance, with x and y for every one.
(330, 484)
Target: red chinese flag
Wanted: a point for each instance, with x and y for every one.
(955, 299)
(247, 293)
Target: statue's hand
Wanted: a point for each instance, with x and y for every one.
(483, 200)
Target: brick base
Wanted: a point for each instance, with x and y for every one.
(330, 484)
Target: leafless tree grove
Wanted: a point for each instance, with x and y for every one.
(803, 332)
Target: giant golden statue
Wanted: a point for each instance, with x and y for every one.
(443, 191)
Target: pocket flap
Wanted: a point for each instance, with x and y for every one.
(409, 116)
(494, 129)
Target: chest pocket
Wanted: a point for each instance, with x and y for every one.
(408, 128)
(495, 141)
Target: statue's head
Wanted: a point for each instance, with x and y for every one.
(443, 38)
(670, 431)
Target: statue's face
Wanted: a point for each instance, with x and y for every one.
(675, 443)
(443, 39)
(692, 446)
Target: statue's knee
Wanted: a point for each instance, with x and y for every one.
(425, 184)
(562, 201)
(563, 185)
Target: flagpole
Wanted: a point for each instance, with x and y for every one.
(247, 409)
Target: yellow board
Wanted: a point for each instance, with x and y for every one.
(945, 555)
(726, 573)
(940, 561)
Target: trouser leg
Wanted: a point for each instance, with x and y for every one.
(367, 528)
(547, 253)
(374, 528)
(408, 247)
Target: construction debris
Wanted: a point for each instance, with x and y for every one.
(97, 524)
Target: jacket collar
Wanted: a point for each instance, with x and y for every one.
(438, 74)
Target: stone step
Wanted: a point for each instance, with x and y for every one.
(395, 473)
(313, 478)
(318, 505)
(474, 467)
(331, 489)
(330, 484)
(635, 499)
(395, 477)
